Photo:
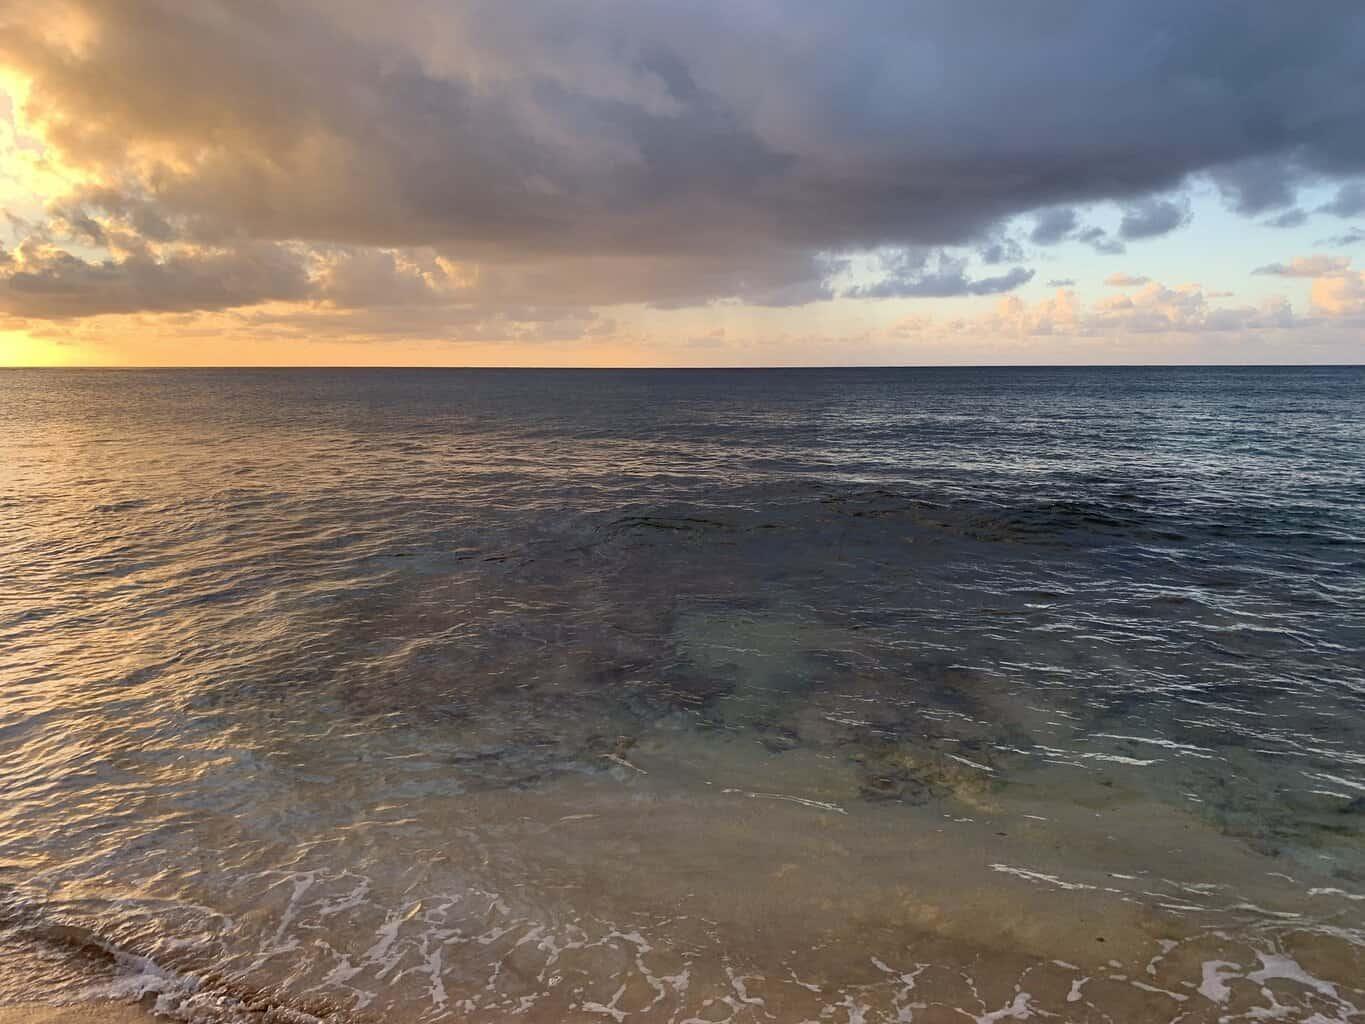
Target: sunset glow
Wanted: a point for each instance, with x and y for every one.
(320, 184)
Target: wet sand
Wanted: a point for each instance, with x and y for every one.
(85, 1013)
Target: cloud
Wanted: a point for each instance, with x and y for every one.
(1002, 250)
(43, 282)
(1307, 266)
(642, 150)
(1337, 290)
(1342, 295)
(1053, 226)
(1099, 240)
(1259, 184)
(1156, 308)
(1119, 279)
(1149, 218)
(1153, 309)
(1348, 202)
(1062, 313)
(1353, 236)
(368, 278)
(908, 274)
(1289, 219)
(436, 323)
(1062, 282)
(1062, 224)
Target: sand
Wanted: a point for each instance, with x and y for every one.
(85, 1013)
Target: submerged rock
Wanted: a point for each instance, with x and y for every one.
(914, 774)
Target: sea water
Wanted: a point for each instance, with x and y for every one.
(687, 696)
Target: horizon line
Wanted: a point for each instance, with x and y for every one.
(589, 369)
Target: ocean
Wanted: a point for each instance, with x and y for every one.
(847, 696)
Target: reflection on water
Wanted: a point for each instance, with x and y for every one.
(783, 696)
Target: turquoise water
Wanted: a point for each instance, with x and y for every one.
(856, 695)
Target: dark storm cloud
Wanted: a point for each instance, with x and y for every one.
(1152, 217)
(1062, 224)
(645, 150)
(910, 274)
(1257, 185)
(1053, 226)
(49, 283)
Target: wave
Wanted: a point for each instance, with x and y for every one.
(97, 969)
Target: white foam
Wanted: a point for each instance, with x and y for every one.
(1336, 892)
(972, 764)
(803, 801)
(1039, 876)
(1205, 753)
(1018, 1009)
(1214, 986)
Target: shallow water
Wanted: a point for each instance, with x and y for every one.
(861, 695)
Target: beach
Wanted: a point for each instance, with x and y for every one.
(93, 1013)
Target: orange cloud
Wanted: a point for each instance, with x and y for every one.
(1151, 309)
(1340, 295)
(1118, 279)
(1307, 266)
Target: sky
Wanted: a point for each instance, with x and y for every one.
(659, 183)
